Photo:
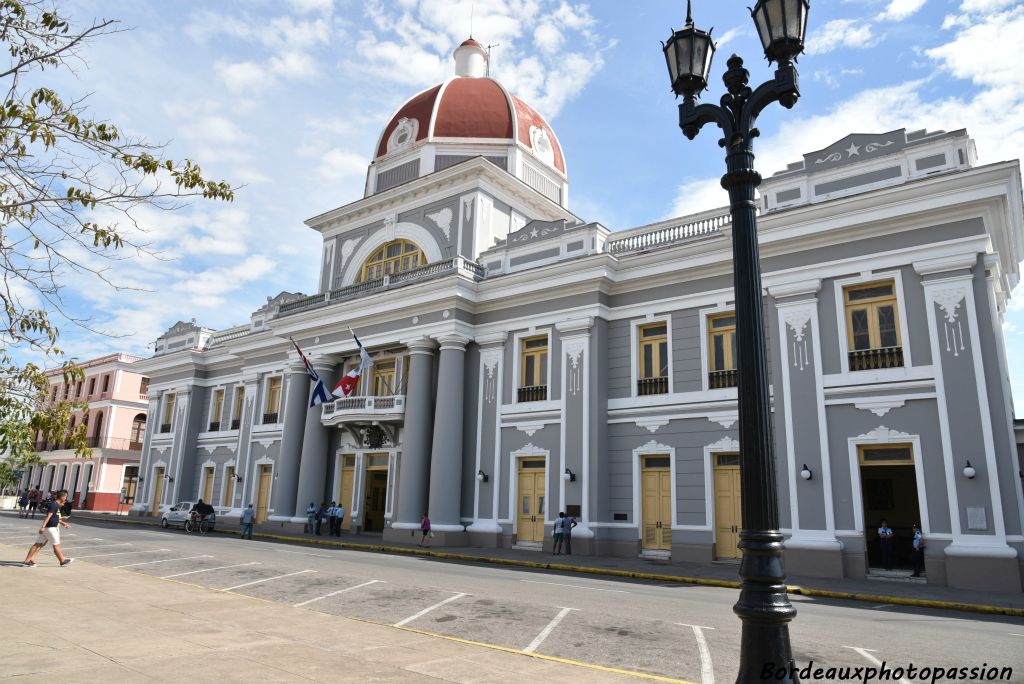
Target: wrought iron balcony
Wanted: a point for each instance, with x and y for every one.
(874, 359)
(721, 379)
(646, 386)
(361, 409)
(214, 426)
(165, 427)
(534, 393)
(235, 422)
(270, 418)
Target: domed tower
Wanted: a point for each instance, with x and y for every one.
(469, 115)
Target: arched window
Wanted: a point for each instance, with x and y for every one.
(138, 431)
(98, 431)
(394, 257)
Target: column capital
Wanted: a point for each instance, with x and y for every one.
(420, 345)
(800, 287)
(492, 338)
(956, 262)
(453, 341)
(575, 325)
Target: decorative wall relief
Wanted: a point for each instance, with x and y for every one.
(443, 220)
(574, 351)
(467, 208)
(797, 320)
(949, 300)
(725, 444)
(489, 359)
(346, 251)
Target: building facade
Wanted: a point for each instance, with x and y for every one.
(116, 396)
(528, 362)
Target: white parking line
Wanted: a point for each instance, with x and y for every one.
(866, 652)
(707, 672)
(335, 593)
(121, 553)
(29, 536)
(94, 546)
(267, 579)
(403, 623)
(576, 586)
(162, 560)
(303, 553)
(196, 572)
(546, 632)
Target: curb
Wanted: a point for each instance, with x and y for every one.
(611, 572)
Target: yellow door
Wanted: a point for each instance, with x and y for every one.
(158, 491)
(208, 485)
(263, 498)
(348, 478)
(229, 486)
(728, 517)
(656, 492)
(531, 500)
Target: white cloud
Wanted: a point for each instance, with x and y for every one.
(837, 33)
(898, 10)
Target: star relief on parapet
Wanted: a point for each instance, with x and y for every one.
(853, 150)
(534, 233)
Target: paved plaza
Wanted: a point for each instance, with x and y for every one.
(161, 604)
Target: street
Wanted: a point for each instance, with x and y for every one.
(675, 631)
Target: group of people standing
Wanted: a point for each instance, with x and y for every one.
(333, 514)
(885, 544)
(563, 533)
(32, 500)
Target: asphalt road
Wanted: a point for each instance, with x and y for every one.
(677, 631)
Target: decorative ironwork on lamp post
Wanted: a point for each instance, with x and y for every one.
(763, 605)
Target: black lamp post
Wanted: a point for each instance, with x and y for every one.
(763, 605)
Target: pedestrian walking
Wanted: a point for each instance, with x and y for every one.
(425, 532)
(341, 519)
(23, 504)
(49, 532)
(33, 502)
(311, 518)
(885, 538)
(568, 522)
(918, 552)
(332, 517)
(558, 533)
(321, 515)
(248, 517)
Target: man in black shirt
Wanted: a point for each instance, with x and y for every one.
(50, 531)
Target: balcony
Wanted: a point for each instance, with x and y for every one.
(364, 409)
(669, 234)
(215, 426)
(875, 359)
(270, 418)
(534, 393)
(235, 422)
(647, 386)
(722, 379)
(165, 427)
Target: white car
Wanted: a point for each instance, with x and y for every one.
(180, 513)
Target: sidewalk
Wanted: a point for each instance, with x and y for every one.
(86, 623)
(708, 574)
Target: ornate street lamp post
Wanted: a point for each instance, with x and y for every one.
(763, 605)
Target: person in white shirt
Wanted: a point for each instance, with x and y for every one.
(885, 538)
(311, 518)
(340, 512)
(559, 532)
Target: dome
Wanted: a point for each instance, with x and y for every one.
(470, 108)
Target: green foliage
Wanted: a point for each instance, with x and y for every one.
(68, 182)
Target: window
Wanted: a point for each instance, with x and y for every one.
(394, 257)
(55, 388)
(236, 409)
(273, 403)
(130, 483)
(92, 386)
(872, 326)
(889, 454)
(722, 350)
(79, 388)
(384, 379)
(217, 405)
(533, 369)
(67, 390)
(144, 386)
(106, 383)
(138, 431)
(653, 362)
(165, 424)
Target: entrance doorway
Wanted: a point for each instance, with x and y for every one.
(376, 494)
(229, 487)
(530, 523)
(656, 490)
(158, 490)
(888, 485)
(208, 484)
(348, 479)
(728, 516)
(263, 495)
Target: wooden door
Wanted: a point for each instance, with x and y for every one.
(376, 498)
(531, 501)
(728, 516)
(263, 498)
(229, 486)
(208, 485)
(158, 491)
(656, 514)
(348, 478)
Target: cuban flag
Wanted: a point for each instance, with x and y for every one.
(349, 381)
(319, 395)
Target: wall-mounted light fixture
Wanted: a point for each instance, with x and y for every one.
(969, 471)
(569, 476)
(141, 478)
(806, 473)
(481, 476)
(238, 478)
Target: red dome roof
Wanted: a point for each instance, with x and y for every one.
(473, 108)
(471, 42)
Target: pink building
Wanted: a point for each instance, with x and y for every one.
(116, 427)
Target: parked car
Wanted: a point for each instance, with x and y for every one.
(181, 512)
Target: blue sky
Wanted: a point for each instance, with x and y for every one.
(288, 98)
